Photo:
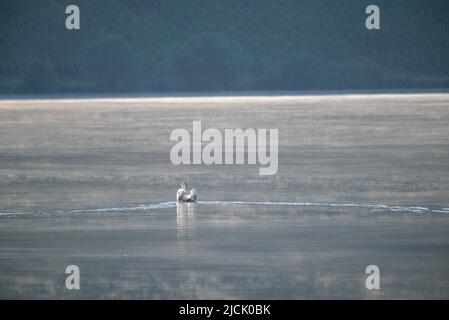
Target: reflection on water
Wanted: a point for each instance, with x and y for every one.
(185, 214)
(231, 251)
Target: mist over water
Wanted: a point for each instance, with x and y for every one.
(362, 180)
(355, 96)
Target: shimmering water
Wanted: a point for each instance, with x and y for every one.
(362, 180)
(226, 251)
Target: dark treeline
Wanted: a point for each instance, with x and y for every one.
(213, 45)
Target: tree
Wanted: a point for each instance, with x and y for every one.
(38, 77)
(207, 61)
(113, 65)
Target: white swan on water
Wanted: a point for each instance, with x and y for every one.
(185, 195)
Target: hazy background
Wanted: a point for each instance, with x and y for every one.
(215, 45)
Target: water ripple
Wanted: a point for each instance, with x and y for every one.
(173, 204)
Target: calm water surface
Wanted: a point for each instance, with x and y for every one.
(214, 251)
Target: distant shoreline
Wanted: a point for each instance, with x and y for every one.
(214, 94)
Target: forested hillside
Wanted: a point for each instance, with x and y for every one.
(199, 45)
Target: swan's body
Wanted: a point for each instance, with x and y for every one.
(184, 195)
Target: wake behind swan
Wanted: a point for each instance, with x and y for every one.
(174, 204)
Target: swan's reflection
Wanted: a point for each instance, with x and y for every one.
(185, 213)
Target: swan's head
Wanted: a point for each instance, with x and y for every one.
(193, 194)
